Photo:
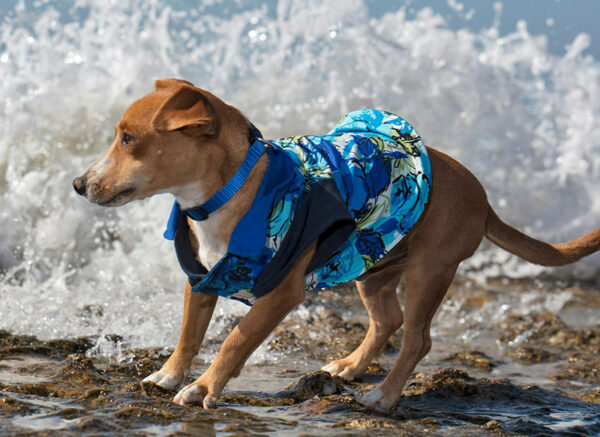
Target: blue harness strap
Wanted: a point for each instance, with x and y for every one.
(221, 197)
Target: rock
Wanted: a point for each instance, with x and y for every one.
(71, 413)
(145, 413)
(80, 370)
(13, 405)
(153, 390)
(474, 358)
(530, 355)
(313, 384)
(256, 401)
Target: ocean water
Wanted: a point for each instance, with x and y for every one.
(518, 108)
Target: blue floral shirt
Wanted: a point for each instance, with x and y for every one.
(357, 190)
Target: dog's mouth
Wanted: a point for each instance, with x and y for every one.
(118, 198)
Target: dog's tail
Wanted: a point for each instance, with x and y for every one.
(536, 251)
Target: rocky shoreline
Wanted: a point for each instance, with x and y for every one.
(50, 387)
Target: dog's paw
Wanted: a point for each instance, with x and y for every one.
(165, 380)
(193, 394)
(375, 400)
(344, 369)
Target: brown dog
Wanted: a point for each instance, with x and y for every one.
(185, 141)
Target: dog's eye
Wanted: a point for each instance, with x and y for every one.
(127, 139)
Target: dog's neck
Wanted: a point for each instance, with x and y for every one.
(236, 146)
(213, 234)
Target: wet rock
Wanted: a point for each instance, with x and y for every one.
(591, 396)
(13, 405)
(548, 330)
(78, 362)
(313, 384)
(430, 421)
(96, 425)
(532, 327)
(331, 404)
(71, 413)
(473, 358)
(7, 340)
(133, 387)
(42, 390)
(530, 355)
(71, 346)
(446, 382)
(153, 390)
(144, 367)
(371, 424)
(285, 340)
(80, 370)
(333, 334)
(582, 339)
(145, 413)
(585, 369)
(446, 402)
(141, 362)
(94, 393)
(21, 346)
(256, 401)
(375, 369)
(343, 338)
(12, 344)
(494, 427)
(545, 338)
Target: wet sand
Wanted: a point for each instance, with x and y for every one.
(516, 373)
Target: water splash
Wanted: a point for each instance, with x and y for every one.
(522, 119)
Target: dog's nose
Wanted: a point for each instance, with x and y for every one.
(79, 185)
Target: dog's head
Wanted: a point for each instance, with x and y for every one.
(170, 139)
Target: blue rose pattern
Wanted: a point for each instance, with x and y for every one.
(370, 244)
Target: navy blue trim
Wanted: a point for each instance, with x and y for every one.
(185, 254)
(253, 133)
(323, 217)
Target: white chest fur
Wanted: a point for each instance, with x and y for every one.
(211, 247)
(209, 233)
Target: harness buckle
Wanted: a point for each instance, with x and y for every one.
(196, 213)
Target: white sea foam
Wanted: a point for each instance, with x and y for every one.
(523, 120)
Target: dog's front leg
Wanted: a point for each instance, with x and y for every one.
(197, 312)
(257, 324)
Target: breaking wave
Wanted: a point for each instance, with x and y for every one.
(524, 120)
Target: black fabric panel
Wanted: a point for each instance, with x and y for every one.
(322, 216)
(185, 255)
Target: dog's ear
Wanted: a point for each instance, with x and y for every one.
(187, 110)
(170, 83)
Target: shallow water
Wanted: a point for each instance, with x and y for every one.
(517, 111)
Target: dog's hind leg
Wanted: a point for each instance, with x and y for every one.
(426, 286)
(378, 294)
